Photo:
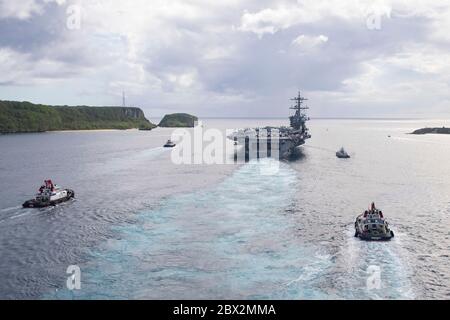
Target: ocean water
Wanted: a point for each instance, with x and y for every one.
(142, 227)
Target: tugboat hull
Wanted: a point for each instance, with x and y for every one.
(368, 237)
(169, 144)
(33, 203)
(371, 226)
(372, 230)
(342, 156)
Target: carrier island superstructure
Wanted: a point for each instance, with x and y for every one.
(275, 141)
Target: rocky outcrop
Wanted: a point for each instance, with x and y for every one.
(178, 120)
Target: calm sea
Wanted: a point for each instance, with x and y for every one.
(142, 227)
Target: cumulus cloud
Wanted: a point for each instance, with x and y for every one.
(19, 9)
(228, 57)
(309, 42)
(24, 9)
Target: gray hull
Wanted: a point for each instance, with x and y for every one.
(273, 148)
(275, 142)
(372, 228)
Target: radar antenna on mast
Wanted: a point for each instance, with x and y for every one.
(299, 118)
(299, 101)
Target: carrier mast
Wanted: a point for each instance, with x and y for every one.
(298, 119)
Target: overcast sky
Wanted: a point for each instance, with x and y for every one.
(230, 58)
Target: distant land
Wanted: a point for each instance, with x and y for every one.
(178, 120)
(18, 117)
(442, 130)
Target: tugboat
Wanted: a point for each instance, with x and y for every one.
(49, 195)
(342, 154)
(169, 144)
(372, 226)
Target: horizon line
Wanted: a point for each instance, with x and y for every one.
(329, 118)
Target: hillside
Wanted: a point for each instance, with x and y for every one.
(18, 117)
(177, 120)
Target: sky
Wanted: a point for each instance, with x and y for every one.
(230, 58)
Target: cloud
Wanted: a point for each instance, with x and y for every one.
(309, 42)
(271, 20)
(284, 16)
(19, 9)
(20, 69)
(24, 9)
(228, 57)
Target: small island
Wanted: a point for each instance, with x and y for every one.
(22, 117)
(442, 130)
(178, 120)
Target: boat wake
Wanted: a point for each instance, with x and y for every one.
(233, 241)
(10, 209)
(20, 212)
(14, 213)
(375, 270)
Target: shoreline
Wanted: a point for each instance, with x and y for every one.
(70, 130)
(434, 130)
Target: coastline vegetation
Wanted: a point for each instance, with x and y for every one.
(18, 117)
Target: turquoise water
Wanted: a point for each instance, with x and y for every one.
(218, 243)
(144, 228)
(237, 240)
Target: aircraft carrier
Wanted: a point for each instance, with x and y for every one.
(275, 141)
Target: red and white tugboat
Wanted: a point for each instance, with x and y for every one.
(49, 195)
(371, 225)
